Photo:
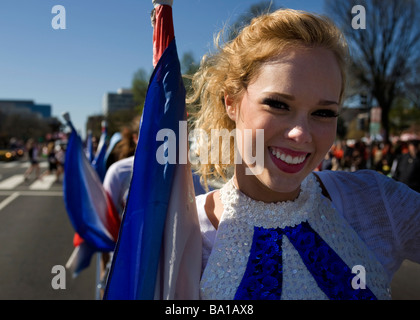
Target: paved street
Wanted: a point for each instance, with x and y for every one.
(35, 235)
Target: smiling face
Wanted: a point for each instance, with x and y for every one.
(295, 100)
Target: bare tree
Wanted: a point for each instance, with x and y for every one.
(385, 53)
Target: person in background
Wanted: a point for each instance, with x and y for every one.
(386, 157)
(33, 155)
(60, 155)
(52, 161)
(126, 147)
(118, 176)
(408, 167)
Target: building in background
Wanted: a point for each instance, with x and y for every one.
(121, 100)
(25, 107)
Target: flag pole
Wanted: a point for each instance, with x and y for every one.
(98, 285)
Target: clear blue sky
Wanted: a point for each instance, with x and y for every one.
(104, 43)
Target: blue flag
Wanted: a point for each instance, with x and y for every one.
(133, 273)
(89, 208)
(115, 139)
(99, 162)
(89, 147)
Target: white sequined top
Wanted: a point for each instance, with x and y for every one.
(369, 244)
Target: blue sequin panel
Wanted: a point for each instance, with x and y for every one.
(330, 272)
(263, 276)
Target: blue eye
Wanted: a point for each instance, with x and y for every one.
(276, 104)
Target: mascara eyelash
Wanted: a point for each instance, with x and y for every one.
(327, 113)
(274, 103)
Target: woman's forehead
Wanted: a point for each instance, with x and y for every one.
(294, 69)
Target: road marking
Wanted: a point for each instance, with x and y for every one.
(43, 184)
(9, 199)
(34, 193)
(43, 164)
(12, 182)
(10, 165)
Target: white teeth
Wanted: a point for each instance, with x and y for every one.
(287, 158)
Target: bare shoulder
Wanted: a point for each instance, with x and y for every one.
(214, 208)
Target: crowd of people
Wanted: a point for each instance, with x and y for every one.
(52, 151)
(399, 160)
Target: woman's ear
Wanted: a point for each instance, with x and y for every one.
(230, 107)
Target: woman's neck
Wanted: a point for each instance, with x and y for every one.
(255, 189)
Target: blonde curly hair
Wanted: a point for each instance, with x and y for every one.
(231, 68)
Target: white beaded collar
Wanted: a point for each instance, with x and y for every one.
(269, 215)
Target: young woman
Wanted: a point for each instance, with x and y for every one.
(277, 230)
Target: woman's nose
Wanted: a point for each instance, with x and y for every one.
(300, 132)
